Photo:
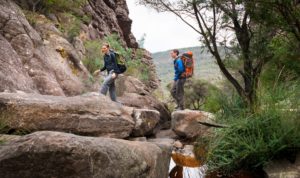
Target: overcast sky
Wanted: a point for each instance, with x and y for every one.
(163, 31)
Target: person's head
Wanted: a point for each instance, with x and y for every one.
(105, 48)
(174, 53)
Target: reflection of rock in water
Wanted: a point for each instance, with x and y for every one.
(176, 172)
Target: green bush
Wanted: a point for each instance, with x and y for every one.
(252, 140)
(61, 5)
(116, 44)
(93, 58)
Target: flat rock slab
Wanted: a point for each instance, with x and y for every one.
(83, 115)
(55, 154)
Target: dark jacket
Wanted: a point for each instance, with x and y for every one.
(110, 62)
(179, 68)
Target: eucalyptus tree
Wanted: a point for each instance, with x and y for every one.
(227, 23)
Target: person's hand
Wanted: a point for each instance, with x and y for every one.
(114, 75)
(96, 73)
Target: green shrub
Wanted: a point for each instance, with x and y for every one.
(252, 140)
(61, 5)
(116, 44)
(93, 58)
(201, 95)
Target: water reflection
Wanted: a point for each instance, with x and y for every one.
(186, 172)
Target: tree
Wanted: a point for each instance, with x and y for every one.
(226, 23)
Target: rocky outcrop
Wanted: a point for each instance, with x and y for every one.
(84, 115)
(36, 60)
(54, 154)
(145, 122)
(185, 123)
(134, 93)
(110, 17)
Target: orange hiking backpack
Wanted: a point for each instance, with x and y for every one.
(189, 63)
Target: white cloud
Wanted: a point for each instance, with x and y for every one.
(163, 31)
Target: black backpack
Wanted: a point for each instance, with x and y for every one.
(121, 62)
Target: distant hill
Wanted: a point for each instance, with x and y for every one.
(205, 69)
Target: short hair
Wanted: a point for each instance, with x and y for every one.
(106, 45)
(176, 51)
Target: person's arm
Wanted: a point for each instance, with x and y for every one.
(103, 68)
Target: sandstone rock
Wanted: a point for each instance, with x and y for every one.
(30, 60)
(148, 102)
(177, 144)
(132, 92)
(129, 84)
(169, 133)
(140, 139)
(283, 168)
(162, 142)
(85, 115)
(54, 154)
(145, 122)
(7, 138)
(185, 123)
(116, 20)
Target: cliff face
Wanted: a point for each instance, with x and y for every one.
(111, 17)
(37, 57)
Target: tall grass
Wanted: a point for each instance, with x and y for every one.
(252, 140)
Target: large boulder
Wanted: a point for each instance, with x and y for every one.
(145, 122)
(134, 93)
(148, 102)
(185, 123)
(53, 154)
(84, 115)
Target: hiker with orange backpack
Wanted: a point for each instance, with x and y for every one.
(184, 68)
(177, 90)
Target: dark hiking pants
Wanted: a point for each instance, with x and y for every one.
(177, 93)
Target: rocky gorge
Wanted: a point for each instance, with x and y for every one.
(53, 121)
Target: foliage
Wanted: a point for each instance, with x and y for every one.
(199, 93)
(253, 139)
(50, 6)
(220, 23)
(71, 28)
(115, 43)
(93, 58)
